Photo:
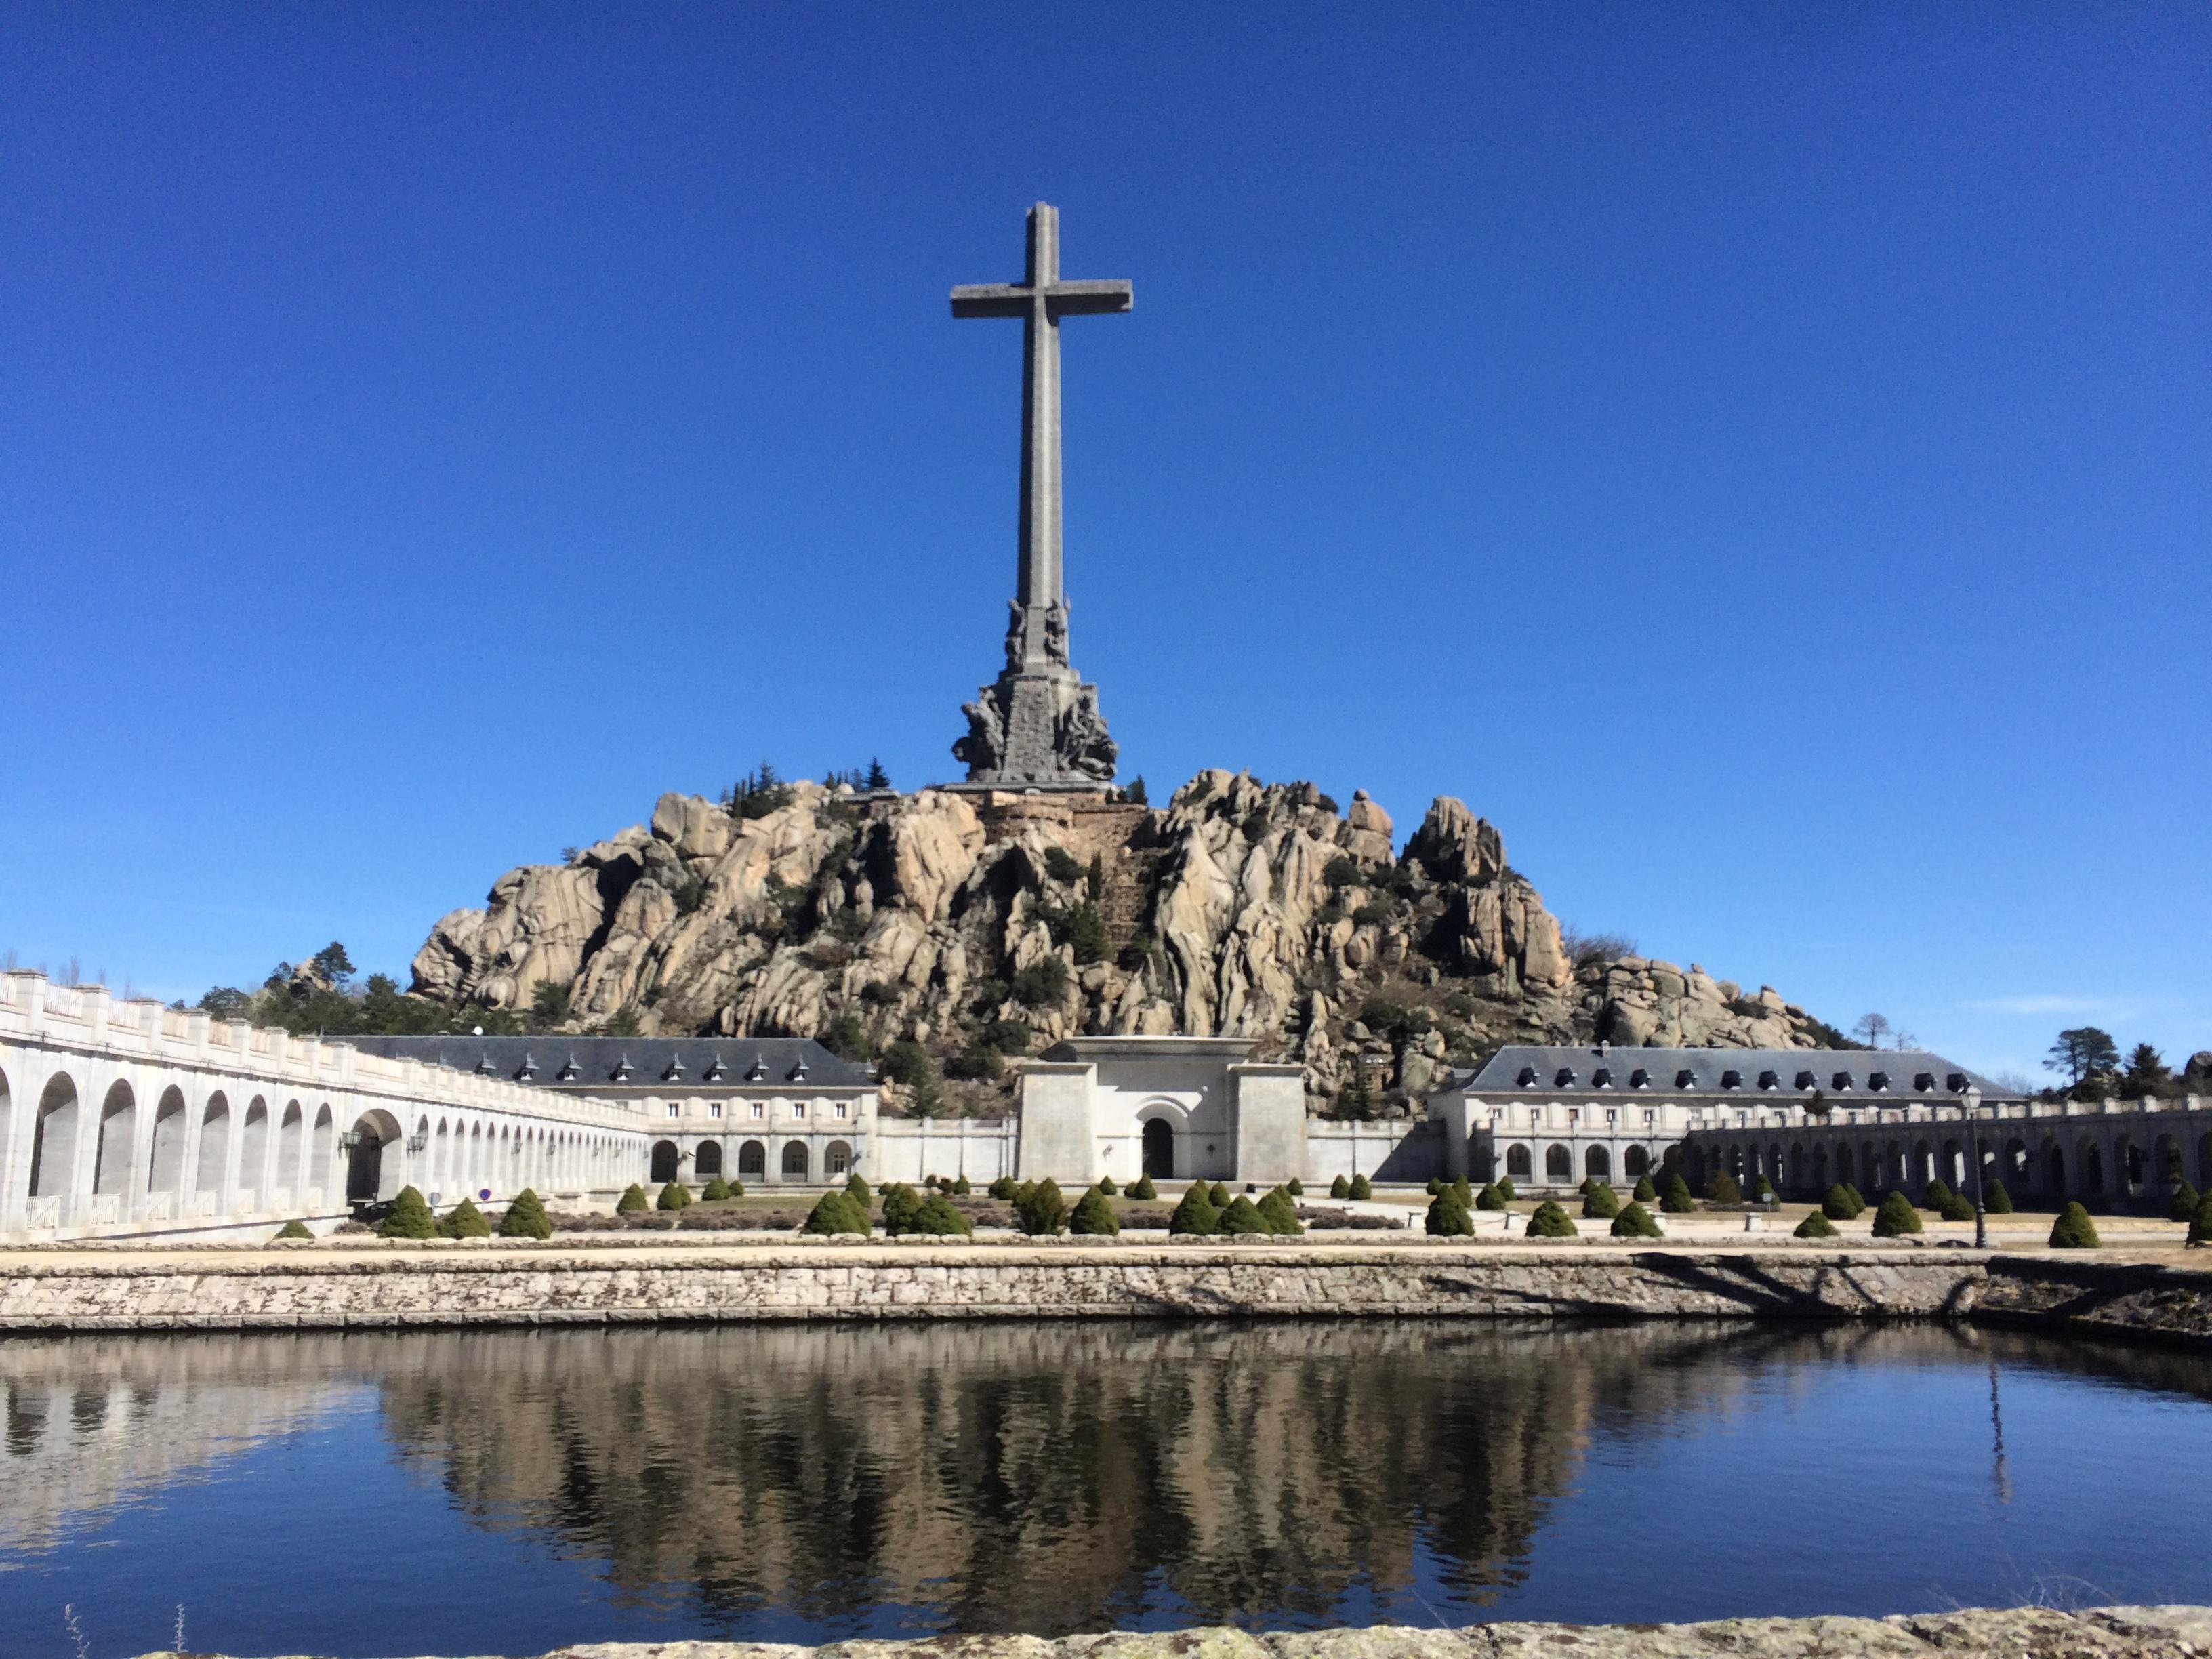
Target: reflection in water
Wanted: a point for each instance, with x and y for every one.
(1045, 1477)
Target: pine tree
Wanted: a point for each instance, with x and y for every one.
(1044, 1212)
(901, 1205)
(1505, 1188)
(294, 1228)
(2200, 1225)
(1241, 1218)
(1722, 1188)
(409, 1218)
(1143, 1190)
(1295, 1188)
(1106, 1186)
(939, 1219)
(1280, 1212)
(464, 1220)
(1676, 1199)
(632, 1201)
(2074, 1231)
(836, 1212)
(526, 1217)
(1447, 1218)
(1360, 1190)
(2183, 1205)
(1550, 1221)
(1195, 1217)
(673, 1196)
(1339, 1187)
(1489, 1198)
(716, 1191)
(1634, 1221)
(1093, 1216)
(1896, 1218)
(1836, 1204)
(1645, 1192)
(1220, 1197)
(1994, 1199)
(1815, 1226)
(1600, 1203)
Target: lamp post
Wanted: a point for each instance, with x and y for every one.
(1974, 1157)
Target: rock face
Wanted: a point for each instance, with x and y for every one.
(1240, 909)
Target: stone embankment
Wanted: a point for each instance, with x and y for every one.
(2176, 1632)
(552, 1284)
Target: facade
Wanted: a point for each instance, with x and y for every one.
(1170, 1107)
(769, 1111)
(1550, 1116)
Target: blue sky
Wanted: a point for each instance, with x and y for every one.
(1757, 456)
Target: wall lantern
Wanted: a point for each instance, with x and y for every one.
(418, 1141)
(350, 1140)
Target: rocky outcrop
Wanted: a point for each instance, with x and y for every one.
(1239, 908)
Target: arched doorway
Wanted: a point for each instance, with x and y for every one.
(53, 1145)
(366, 1165)
(1597, 1163)
(664, 1162)
(794, 1160)
(706, 1159)
(752, 1160)
(837, 1160)
(1159, 1149)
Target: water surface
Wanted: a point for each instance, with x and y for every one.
(509, 1492)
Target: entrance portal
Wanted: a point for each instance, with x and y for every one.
(1159, 1149)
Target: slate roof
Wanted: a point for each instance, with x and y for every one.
(654, 1064)
(1846, 1076)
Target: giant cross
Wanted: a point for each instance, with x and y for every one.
(1047, 731)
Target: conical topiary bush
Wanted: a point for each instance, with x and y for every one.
(1815, 1226)
(1043, 1211)
(1241, 1218)
(1645, 1192)
(2074, 1231)
(1280, 1213)
(526, 1217)
(1002, 1189)
(409, 1218)
(1106, 1186)
(632, 1201)
(1144, 1191)
(1196, 1215)
(1505, 1186)
(716, 1191)
(1295, 1188)
(1675, 1200)
(1550, 1221)
(1938, 1190)
(1994, 1199)
(1722, 1188)
(1489, 1198)
(1956, 1207)
(1093, 1216)
(673, 1196)
(1448, 1217)
(833, 1213)
(1762, 1189)
(464, 1220)
(2184, 1205)
(1600, 1203)
(1634, 1221)
(2200, 1225)
(1836, 1204)
(962, 1187)
(1436, 1185)
(1339, 1187)
(1896, 1218)
(901, 1205)
(1858, 1197)
(1360, 1190)
(294, 1228)
(858, 1190)
(1219, 1195)
(939, 1218)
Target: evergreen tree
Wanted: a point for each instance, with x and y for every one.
(2200, 1225)
(673, 1196)
(1447, 1218)
(1859, 1198)
(632, 1201)
(1093, 1216)
(294, 1228)
(1676, 1199)
(1280, 1212)
(1465, 1193)
(1360, 1190)
(1002, 1189)
(1143, 1190)
(1938, 1190)
(1241, 1217)
(716, 1190)
(1645, 1192)
(940, 1218)
(1896, 1218)
(1339, 1187)
(1836, 1204)
(526, 1217)
(1489, 1198)
(1195, 1217)
(1634, 1221)
(1106, 1186)
(876, 778)
(464, 1220)
(1436, 1185)
(1957, 1208)
(1044, 1212)
(1763, 1189)
(1994, 1199)
(1816, 1225)
(1722, 1188)
(1295, 1188)
(902, 1206)
(1505, 1188)
(409, 1218)
(836, 1212)
(961, 1187)
(2184, 1205)
(1220, 1197)
(1600, 1203)
(1550, 1221)
(859, 1189)
(2074, 1231)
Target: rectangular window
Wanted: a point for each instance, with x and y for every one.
(674, 1109)
(840, 1109)
(799, 1108)
(715, 1110)
(758, 1109)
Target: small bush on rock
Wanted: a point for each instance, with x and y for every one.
(1676, 1199)
(526, 1217)
(1636, 1222)
(1489, 1198)
(833, 1213)
(464, 1220)
(1550, 1221)
(632, 1201)
(1360, 1190)
(409, 1218)
(1043, 1212)
(1600, 1203)
(1195, 1217)
(1815, 1226)
(1448, 1217)
(1896, 1219)
(1241, 1218)
(2074, 1231)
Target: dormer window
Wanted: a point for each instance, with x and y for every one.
(1601, 1078)
(529, 1071)
(1957, 1082)
(484, 1067)
(759, 1072)
(799, 1071)
(1878, 1080)
(569, 1070)
(1528, 1075)
(1639, 1079)
(674, 1072)
(1841, 1080)
(620, 1073)
(1685, 1078)
(1806, 1081)
(1731, 1079)
(1923, 1081)
(713, 1072)
(1769, 1079)
(1565, 1079)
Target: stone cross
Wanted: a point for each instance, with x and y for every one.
(1041, 299)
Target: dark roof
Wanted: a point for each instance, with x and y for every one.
(650, 1065)
(1848, 1076)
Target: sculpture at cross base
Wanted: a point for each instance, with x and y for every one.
(1037, 725)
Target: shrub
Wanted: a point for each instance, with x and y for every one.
(1896, 1218)
(464, 1220)
(1994, 1199)
(1550, 1221)
(409, 1218)
(1957, 1207)
(1762, 1190)
(1722, 1188)
(1636, 1222)
(1106, 1186)
(961, 1187)
(1645, 1193)
(1043, 1211)
(673, 1196)
(1815, 1226)
(1505, 1188)
(1144, 1189)
(1938, 1190)
(737, 1189)
(940, 1218)
(858, 1188)
(2184, 1206)
(1002, 1189)
(1858, 1197)
(1295, 1188)
(1448, 1217)
(715, 1190)
(296, 1228)
(1676, 1199)
(833, 1213)
(1280, 1212)
(1241, 1217)
(1436, 1186)
(1489, 1198)
(1339, 1187)
(902, 1205)
(1836, 1204)
(526, 1217)
(1094, 1215)
(1195, 1217)
(632, 1201)
(1600, 1203)
(1220, 1196)
(2074, 1231)
(2200, 1225)
(1465, 1193)
(1360, 1189)
(1060, 864)
(1042, 984)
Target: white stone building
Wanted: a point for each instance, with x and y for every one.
(1170, 1107)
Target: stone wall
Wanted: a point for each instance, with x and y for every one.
(1970, 1633)
(556, 1284)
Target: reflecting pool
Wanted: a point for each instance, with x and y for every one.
(509, 1492)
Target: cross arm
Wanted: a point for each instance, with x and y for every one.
(1088, 299)
(991, 299)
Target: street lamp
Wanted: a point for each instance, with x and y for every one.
(1974, 1157)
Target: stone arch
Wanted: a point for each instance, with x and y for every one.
(1558, 1164)
(795, 1160)
(475, 1180)
(1955, 1174)
(118, 1138)
(1636, 1163)
(1159, 1143)
(215, 1143)
(666, 1163)
(2165, 1161)
(1843, 1163)
(2128, 1167)
(291, 1146)
(53, 1138)
(837, 1160)
(319, 1147)
(2204, 1162)
(2092, 1166)
(752, 1161)
(253, 1145)
(370, 1174)
(1517, 1162)
(1819, 1166)
(2014, 1163)
(1922, 1169)
(165, 1167)
(706, 1159)
(1597, 1163)
(2054, 1170)
(1796, 1181)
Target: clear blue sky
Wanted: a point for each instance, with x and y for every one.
(1759, 457)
